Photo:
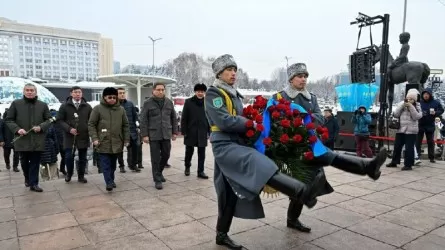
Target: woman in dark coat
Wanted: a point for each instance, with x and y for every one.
(6, 137)
(297, 93)
(48, 157)
(196, 129)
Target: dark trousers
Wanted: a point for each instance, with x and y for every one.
(429, 140)
(408, 141)
(294, 210)
(120, 159)
(132, 154)
(362, 146)
(159, 153)
(62, 158)
(15, 156)
(108, 165)
(225, 218)
(139, 161)
(30, 161)
(69, 160)
(201, 157)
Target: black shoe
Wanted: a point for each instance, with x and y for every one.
(8, 166)
(158, 185)
(202, 175)
(67, 178)
(140, 166)
(135, 169)
(407, 168)
(114, 185)
(187, 171)
(82, 180)
(433, 161)
(109, 187)
(298, 225)
(122, 170)
(26, 184)
(36, 189)
(223, 239)
(391, 165)
(15, 169)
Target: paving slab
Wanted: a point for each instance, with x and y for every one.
(401, 210)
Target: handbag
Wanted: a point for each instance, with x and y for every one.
(394, 123)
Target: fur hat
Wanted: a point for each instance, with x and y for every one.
(413, 94)
(223, 62)
(200, 87)
(109, 91)
(295, 69)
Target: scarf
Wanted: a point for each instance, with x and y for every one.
(293, 92)
(159, 101)
(229, 89)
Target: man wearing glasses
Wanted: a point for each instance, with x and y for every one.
(158, 127)
(109, 130)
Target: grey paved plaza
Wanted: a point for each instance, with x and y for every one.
(402, 210)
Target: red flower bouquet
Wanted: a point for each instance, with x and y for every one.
(291, 134)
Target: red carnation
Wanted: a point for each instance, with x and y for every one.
(271, 108)
(310, 126)
(282, 101)
(320, 129)
(325, 136)
(276, 115)
(281, 107)
(284, 138)
(245, 112)
(312, 139)
(308, 155)
(285, 123)
(289, 113)
(267, 141)
(249, 124)
(259, 119)
(254, 113)
(298, 122)
(296, 112)
(256, 106)
(260, 127)
(297, 138)
(325, 130)
(250, 133)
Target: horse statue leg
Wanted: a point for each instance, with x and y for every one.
(390, 96)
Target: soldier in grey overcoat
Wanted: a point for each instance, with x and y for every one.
(240, 171)
(297, 93)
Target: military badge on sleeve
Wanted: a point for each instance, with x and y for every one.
(217, 102)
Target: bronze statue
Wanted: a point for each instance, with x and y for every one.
(401, 70)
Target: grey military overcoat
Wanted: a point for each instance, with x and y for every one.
(245, 169)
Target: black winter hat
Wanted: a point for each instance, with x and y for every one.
(109, 91)
(200, 87)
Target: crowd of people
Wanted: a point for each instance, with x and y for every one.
(241, 172)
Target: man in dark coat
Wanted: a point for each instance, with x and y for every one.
(73, 117)
(331, 124)
(132, 150)
(431, 109)
(240, 171)
(29, 118)
(296, 92)
(195, 128)
(108, 128)
(6, 139)
(158, 128)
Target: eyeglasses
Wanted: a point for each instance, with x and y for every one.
(112, 97)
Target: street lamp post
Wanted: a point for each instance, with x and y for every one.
(153, 65)
(287, 60)
(404, 15)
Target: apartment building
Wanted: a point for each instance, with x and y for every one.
(49, 53)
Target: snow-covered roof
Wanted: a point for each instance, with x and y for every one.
(133, 79)
(84, 85)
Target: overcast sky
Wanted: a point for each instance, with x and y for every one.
(259, 34)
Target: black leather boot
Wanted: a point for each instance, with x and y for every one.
(361, 166)
(187, 171)
(295, 189)
(223, 239)
(293, 213)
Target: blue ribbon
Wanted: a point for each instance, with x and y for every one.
(317, 148)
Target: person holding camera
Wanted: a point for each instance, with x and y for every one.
(362, 119)
(409, 113)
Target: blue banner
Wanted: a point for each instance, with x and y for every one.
(352, 96)
(317, 148)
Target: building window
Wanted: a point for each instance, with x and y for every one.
(38, 67)
(46, 61)
(28, 60)
(38, 61)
